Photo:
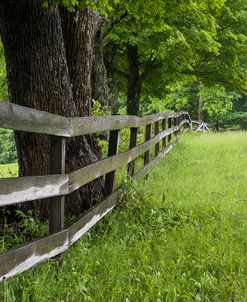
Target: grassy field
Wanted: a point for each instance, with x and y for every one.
(178, 236)
(9, 170)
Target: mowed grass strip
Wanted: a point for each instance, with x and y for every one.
(178, 236)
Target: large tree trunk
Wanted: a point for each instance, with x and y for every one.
(38, 77)
(100, 89)
(110, 61)
(79, 30)
(134, 83)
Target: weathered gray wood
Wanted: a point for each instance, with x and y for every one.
(57, 166)
(112, 150)
(92, 217)
(156, 131)
(22, 258)
(15, 190)
(143, 172)
(97, 169)
(94, 124)
(17, 117)
(21, 189)
(147, 138)
(133, 142)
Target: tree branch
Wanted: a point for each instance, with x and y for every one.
(111, 24)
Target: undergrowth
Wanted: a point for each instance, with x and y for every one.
(178, 236)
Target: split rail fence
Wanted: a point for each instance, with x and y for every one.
(167, 129)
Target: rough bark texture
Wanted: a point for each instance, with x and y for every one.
(79, 30)
(38, 77)
(134, 83)
(110, 61)
(100, 89)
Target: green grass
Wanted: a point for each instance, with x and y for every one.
(178, 236)
(8, 170)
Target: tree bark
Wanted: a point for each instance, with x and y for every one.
(100, 89)
(39, 78)
(134, 83)
(110, 62)
(79, 30)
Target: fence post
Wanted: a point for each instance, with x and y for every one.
(176, 122)
(163, 129)
(147, 138)
(169, 126)
(133, 142)
(112, 150)
(156, 131)
(57, 166)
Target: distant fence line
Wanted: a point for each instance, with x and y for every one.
(22, 189)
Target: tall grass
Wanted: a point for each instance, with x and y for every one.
(178, 236)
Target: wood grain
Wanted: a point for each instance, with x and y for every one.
(21, 189)
(22, 258)
(21, 118)
(17, 117)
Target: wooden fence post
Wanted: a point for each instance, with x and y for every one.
(133, 142)
(57, 166)
(112, 150)
(169, 126)
(176, 122)
(147, 138)
(156, 131)
(163, 129)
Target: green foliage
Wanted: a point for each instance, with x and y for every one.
(183, 42)
(99, 110)
(27, 228)
(178, 236)
(217, 101)
(234, 121)
(3, 81)
(7, 147)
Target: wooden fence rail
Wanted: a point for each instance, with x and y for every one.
(22, 189)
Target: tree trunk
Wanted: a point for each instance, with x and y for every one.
(100, 89)
(38, 77)
(200, 110)
(134, 83)
(79, 30)
(200, 107)
(110, 61)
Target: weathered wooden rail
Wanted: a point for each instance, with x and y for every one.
(22, 189)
